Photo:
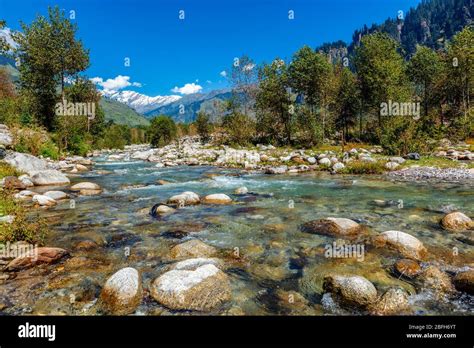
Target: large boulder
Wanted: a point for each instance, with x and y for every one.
(350, 290)
(185, 198)
(201, 289)
(192, 249)
(457, 221)
(407, 245)
(49, 177)
(26, 163)
(122, 292)
(217, 198)
(464, 281)
(334, 227)
(36, 256)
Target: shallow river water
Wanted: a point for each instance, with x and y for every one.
(258, 237)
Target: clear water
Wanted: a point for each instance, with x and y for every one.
(274, 256)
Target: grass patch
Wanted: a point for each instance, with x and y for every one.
(23, 228)
(364, 167)
(7, 170)
(430, 161)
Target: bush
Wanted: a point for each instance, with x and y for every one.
(50, 149)
(162, 131)
(240, 128)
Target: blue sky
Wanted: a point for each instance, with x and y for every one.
(166, 52)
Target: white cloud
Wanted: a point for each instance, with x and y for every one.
(188, 88)
(223, 73)
(208, 81)
(115, 84)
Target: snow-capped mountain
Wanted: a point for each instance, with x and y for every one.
(140, 102)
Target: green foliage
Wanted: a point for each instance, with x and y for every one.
(48, 53)
(239, 127)
(274, 115)
(364, 167)
(22, 228)
(120, 113)
(203, 126)
(115, 137)
(162, 131)
(381, 71)
(7, 170)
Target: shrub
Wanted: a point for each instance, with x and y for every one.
(50, 149)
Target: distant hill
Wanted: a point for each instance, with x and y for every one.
(432, 23)
(121, 114)
(185, 109)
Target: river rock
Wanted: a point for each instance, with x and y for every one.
(407, 268)
(201, 289)
(49, 177)
(36, 256)
(334, 227)
(391, 165)
(161, 209)
(432, 278)
(44, 200)
(56, 195)
(193, 248)
(241, 191)
(414, 156)
(86, 188)
(26, 180)
(162, 182)
(13, 183)
(404, 243)
(122, 292)
(350, 290)
(325, 161)
(398, 160)
(5, 136)
(464, 281)
(217, 198)
(338, 166)
(394, 301)
(192, 264)
(277, 170)
(186, 198)
(457, 221)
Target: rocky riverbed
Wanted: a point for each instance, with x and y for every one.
(162, 232)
